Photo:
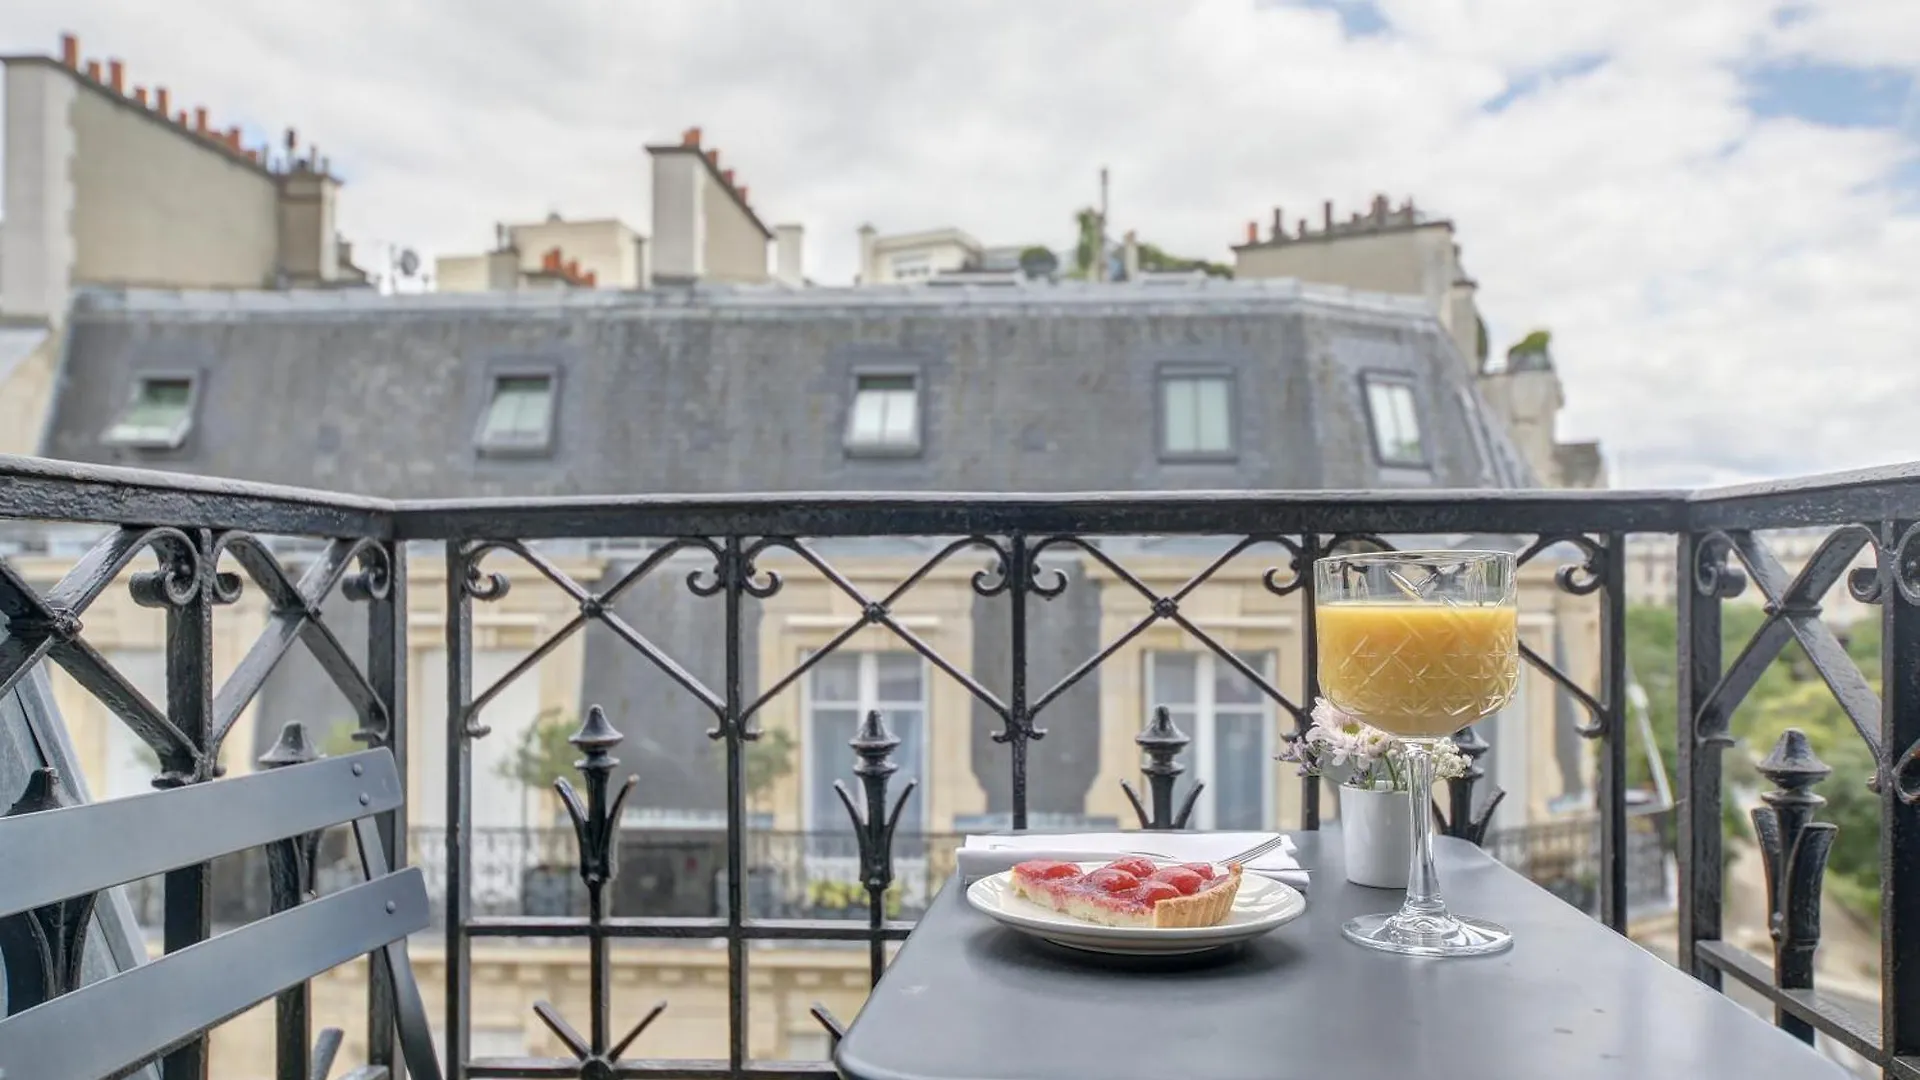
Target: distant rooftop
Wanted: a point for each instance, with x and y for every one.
(1381, 217)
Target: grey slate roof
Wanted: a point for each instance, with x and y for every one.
(1036, 388)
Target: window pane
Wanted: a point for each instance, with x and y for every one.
(1396, 423)
(835, 679)
(1173, 679)
(885, 409)
(1213, 420)
(520, 409)
(1230, 687)
(158, 412)
(899, 677)
(829, 758)
(1408, 422)
(1182, 416)
(898, 409)
(1240, 768)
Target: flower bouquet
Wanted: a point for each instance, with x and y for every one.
(1370, 768)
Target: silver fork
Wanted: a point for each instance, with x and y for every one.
(1259, 849)
(1248, 855)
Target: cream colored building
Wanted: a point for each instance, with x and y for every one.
(607, 249)
(704, 229)
(1404, 251)
(917, 256)
(109, 183)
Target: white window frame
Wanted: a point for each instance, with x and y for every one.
(857, 441)
(122, 433)
(1164, 382)
(1395, 388)
(1196, 718)
(910, 872)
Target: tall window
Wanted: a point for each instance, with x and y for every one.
(885, 417)
(1196, 415)
(1231, 723)
(519, 414)
(159, 415)
(1395, 416)
(840, 691)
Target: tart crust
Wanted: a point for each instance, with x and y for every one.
(1209, 906)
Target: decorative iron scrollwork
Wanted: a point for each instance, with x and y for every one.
(1162, 742)
(1461, 819)
(1714, 571)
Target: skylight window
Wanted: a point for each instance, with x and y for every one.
(885, 417)
(159, 416)
(519, 416)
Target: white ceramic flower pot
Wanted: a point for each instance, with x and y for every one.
(1377, 833)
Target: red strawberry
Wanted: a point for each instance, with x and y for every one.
(1135, 865)
(1110, 880)
(1186, 881)
(1205, 870)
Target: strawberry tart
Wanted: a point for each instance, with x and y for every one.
(1131, 892)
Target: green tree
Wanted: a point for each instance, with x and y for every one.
(1652, 654)
(543, 753)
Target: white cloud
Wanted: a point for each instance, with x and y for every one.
(1730, 297)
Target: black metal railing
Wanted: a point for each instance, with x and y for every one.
(1023, 552)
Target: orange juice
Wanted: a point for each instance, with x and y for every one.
(1418, 670)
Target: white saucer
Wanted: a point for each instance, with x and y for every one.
(1261, 905)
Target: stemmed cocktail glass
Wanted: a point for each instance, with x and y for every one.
(1419, 644)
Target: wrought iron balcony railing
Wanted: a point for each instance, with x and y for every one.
(188, 546)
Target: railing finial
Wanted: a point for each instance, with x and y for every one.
(1794, 849)
(1162, 740)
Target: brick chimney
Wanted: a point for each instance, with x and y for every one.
(70, 51)
(690, 137)
(140, 95)
(117, 76)
(162, 101)
(309, 229)
(200, 119)
(1253, 232)
(93, 70)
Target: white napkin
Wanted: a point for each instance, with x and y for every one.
(992, 853)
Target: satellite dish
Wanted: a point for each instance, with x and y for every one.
(409, 263)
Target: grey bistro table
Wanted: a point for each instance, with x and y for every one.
(968, 999)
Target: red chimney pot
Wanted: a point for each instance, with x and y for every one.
(743, 193)
(690, 137)
(200, 119)
(727, 176)
(713, 158)
(93, 70)
(117, 76)
(1253, 232)
(140, 95)
(70, 51)
(161, 100)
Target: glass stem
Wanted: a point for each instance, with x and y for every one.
(1423, 885)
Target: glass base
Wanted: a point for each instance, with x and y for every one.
(1428, 935)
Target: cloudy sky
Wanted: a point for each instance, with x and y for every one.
(1715, 205)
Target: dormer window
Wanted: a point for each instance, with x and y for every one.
(885, 416)
(1393, 413)
(158, 417)
(519, 415)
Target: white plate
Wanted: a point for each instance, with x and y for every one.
(1261, 905)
